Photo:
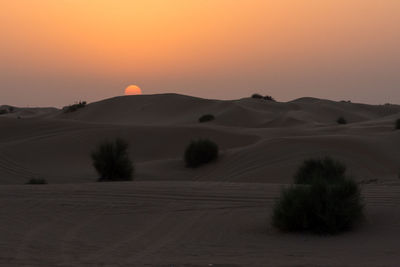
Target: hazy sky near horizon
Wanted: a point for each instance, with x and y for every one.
(53, 53)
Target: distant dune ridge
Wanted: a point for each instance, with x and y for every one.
(218, 214)
(261, 141)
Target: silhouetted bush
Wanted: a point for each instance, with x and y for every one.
(397, 124)
(74, 107)
(6, 110)
(323, 200)
(341, 120)
(321, 208)
(111, 161)
(257, 96)
(206, 117)
(269, 98)
(200, 152)
(36, 181)
(313, 170)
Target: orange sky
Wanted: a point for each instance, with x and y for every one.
(58, 52)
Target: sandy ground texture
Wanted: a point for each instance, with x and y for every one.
(173, 216)
(181, 224)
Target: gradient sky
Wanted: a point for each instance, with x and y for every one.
(55, 52)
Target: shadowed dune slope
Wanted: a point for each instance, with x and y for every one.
(260, 141)
(18, 112)
(167, 109)
(60, 150)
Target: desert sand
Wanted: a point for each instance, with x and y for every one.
(216, 215)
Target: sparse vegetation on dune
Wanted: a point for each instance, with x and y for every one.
(206, 117)
(257, 96)
(36, 181)
(74, 107)
(200, 152)
(341, 120)
(327, 202)
(6, 110)
(267, 97)
(111, 161)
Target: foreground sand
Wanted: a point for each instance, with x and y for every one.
(180, 224)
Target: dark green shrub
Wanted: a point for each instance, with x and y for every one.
(313, 170)
(341, 120)
(397, 125)
(200, 152)
(111, 161)
(323, 200)
(206, 117)
(3, 111)
(74, 107)
(321, 208)
(36, 181)
(257, 96)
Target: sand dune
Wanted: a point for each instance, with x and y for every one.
(17, 112)
(257, 138)
(217, 214)
(167, 109)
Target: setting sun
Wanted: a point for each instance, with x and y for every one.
(133, 90)
(213, 49)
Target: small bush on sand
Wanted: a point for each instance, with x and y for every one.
(36, 181)
(397, 124)
(111, 161)
(74, 107)
(341, 120)
(269, 98)
(323, 200)
(206, 117)
(3, 111)
(313, 170)
(320, 208)
(200, 152)
(257, 96)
